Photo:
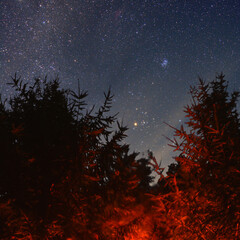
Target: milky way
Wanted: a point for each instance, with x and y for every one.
(149, 52)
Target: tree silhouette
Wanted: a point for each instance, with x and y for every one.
(61, 165)
(66, 174)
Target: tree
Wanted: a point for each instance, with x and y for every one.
(208, 168)
(61, 166)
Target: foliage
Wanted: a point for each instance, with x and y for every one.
(204, 202)
(62, 166)
(66, 173)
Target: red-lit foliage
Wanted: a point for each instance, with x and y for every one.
(67, 175)
(203, 199)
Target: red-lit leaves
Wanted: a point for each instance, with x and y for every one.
(71, 177)
(208, 154)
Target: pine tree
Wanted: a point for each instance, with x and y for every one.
(64, 170)
(209, 164)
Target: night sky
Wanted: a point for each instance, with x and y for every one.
(149, 52)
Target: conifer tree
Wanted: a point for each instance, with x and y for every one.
(208, 169)
(63, 169)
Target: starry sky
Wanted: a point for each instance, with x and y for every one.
(148, 51)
